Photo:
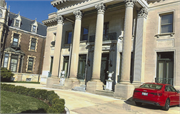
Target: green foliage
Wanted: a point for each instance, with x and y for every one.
(51, 97)
(6, 75)
(58, 101)
(56, 108)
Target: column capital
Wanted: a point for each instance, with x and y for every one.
(78, 14)
(143, 13)
(59, 19)
(101, 8)
(130, 3)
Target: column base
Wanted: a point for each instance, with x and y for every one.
(51, 81)
(94, 85)
(123, 90)
(71, 83)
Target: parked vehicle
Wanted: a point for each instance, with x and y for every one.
(164, 95)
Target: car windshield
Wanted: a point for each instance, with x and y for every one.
(151, 86)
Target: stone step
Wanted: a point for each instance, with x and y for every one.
(105, 93)
(57, 86)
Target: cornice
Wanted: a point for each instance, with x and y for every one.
(14, 28)
(49, 20)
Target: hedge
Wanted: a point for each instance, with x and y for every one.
(57, 104)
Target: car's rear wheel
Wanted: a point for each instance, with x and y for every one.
(138, 103)
(166, 106)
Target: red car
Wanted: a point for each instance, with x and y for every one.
(157, 94)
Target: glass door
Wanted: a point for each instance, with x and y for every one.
(81, 67)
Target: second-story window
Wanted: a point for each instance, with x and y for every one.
(34, 28)
(85, 34)
(68, 37)
(167, 23)
(15, 40)
(17, 23)
(33, 44)
(106, 29)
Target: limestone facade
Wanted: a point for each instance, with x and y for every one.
(136, 39)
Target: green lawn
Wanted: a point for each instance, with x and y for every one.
(16, 103)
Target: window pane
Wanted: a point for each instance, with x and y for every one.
(14, 61)
(166, 19)
(166, 28)
(17, 23)
(0, 13)
(6, 60)
(30, 63)
(85, 31)
(69, 37)
(34, 28)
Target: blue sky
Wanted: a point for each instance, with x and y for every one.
(32, 8)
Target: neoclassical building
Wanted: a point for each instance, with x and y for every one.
(22, 45)
(137, 40)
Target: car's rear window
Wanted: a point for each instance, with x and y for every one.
(151, 86)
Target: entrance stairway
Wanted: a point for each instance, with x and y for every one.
(57, 86)
(105, 93)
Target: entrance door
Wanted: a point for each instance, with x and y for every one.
(104, 67)
(165, 63)
(81, 67)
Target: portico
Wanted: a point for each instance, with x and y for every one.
(106, 22)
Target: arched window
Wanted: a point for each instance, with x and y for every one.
(1, 13)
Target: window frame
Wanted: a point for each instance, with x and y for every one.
(34, 29)
(160, 22)
(33, 40)
(82, 35)
(14, 63)
(30, 70)
(16, 24)
(15, 38)
(6, 55)
(67, 36)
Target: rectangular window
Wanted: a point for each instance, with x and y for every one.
(167, 23)
(106, 31)
(85, 34)
(15, 40)
(17, 23)
(6, 57)
(34, 28)
(30, 63)
(68, 37)
(14, 61)
(1, 14)
(33, 44)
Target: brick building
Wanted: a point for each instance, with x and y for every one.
(24, 47)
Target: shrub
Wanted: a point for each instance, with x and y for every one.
(56, 108)
(58, 101)
(54, 100)
(51, 97)
(6, 75)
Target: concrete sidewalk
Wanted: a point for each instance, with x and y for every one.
(87, 103)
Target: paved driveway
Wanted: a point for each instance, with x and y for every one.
(87, 103)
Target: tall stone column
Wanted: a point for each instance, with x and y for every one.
(73, 81)
(127, 44)
(55, 69)
(95, 83)
(139, 62)
(125, 89)
(75, 46)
